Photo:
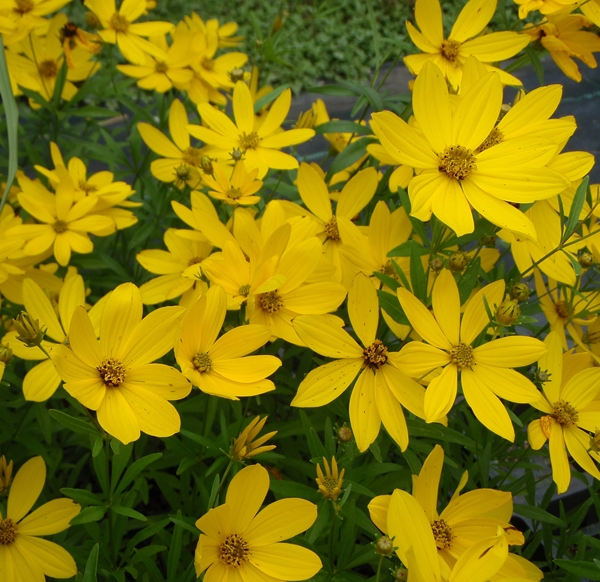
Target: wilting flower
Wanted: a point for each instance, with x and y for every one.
(246, 445)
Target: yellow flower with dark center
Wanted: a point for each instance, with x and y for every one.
(233, 188)
(116, 375)
(465, 40)
(485, 371)
(23, 554)
(571, 412)
(247, 445)
(240, 543)
(330, 483)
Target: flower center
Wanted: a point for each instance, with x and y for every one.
(244, 290)
(48, 69)
(60, 226)
(375, 355)
(192, 156)
(457, 161)
(161, 67)
(450, 49)
(442, 533)
(234, 551)
(462, 355)
(202, 362)
(330, 483)
(8, 531)
(194, 261)
(207, 64)
(182, 173)
(271, 302)
(24, 6)
(493, 139)
(388, 269)
(562, 309)
(250, 141)
(565, 414)
(119, 23)
(112, 373)
(234, 193)
(331, 229)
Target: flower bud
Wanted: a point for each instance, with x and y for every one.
(586, 260)
(236, 155)
(520, 291)
(542, 376)
(508, 312)
(384, 546)
(236, 74)
(344, 434)
(595, 441)
(29, 330)
(6, 353)
(458, 262)
(206, 165)
(278, 24)
(400, 574)
(436, 264)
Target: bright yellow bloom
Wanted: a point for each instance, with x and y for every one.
(381, 389)
(115, 376)
(546, 6)
(28, 15)
(450, 54)
(237, 187)
(119, 28)
(246, 445)
(330, 484)
(453, 176)
(485, 371)
(572, 413)
(222, 367)
(224, 32)
(23, 554)
(260, 144)
(238, 543)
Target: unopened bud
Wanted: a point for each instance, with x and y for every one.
(542, 376)
(436, 264)
(92, 21)
(344, 434)
(278, 24)
(236, 75)
(384, 546)
(401, 574)
(586, 260)
(6, 353)
(29, 330)
(236, 155)
(520, 291)
(206, 165)
(458, 261)
(595, 441)
(508, 312)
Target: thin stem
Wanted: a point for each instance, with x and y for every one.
(332, 538)
(216, 502)
(379, 568)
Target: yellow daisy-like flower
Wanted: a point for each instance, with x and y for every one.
(23, 554)
(546, 6)
(330, 483)
(381, 389)
(239, 188)
(260, 143)
(115, 376)
(453, 178)
(222, 367)
(240, 543)
(485, 371)
(572, 413)
(247, 445)
(450, 54)
(29, 15)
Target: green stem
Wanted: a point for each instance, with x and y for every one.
(216, 502)
(332, 538)
(379, 569)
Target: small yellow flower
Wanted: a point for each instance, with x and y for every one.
(240, 188)
(5, 474)
(330, 484)
(247, 445)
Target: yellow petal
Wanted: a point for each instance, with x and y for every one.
(248, 369)
(51, 518)
(472, 19)
(357, 193)
(315, 298)
(482, 560)
(510, 352)
(178, 122)
(122, 312)
(160, 379)
(246, 494)
(428, 14)
(41, 382)
(418, 358)
(479, 503)
(82, 339)
(446, 305)
(158, 142)
(116, 417)
(243, 109)
(494, 47)
(561, 471)
(240, 342)
(39, 307)
(72, 295)
(378, 510)
(582, 388)
(441, 394)
(578, 443)
(452, 207)
(426, 485)
(26, 488)
(276, 115)
(535, 435)
(286, 561)
(390, 412)
(507, 383)
(321, 335)
(364, 416)
(54, 560)
(363, 309)
(314, 192)
(475, 317)
(410, 394)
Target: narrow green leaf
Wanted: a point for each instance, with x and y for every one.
(75, 424)
(406, 249)
(89, 514)
(270, 97)
(174, 551)
(390, 304)
(91, 565)
(352, 153)
(82, 496)
(538, 514)
(536, 63)
(341, 126)
(582, 569)
(135, 469)
(578, 201)
(418, 279)
(333, 90)
(128, 512)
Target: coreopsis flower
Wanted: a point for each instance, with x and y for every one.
(120, 28)
(72, 36)
(330, 483)
(247, 445)
(28, 15)
(5, 474)
(485, 371)
(222, 367)
(238, 542)
(224, 32)
(544, 6)
(450, 53)
(24, 555)
(562, 36)
(452, 177)
(240, 187)
(116, 375)
(260, 144)
(381, 389)
(571, 413)
(181, 162)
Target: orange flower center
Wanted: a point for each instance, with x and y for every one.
(24, 6)
(462, 356)
(271, 302)
(250, 141)
(331, 229)
(442, 533)
(112, 373)
(457, 161)
(562, 309)
(48, 69)
(192, 156)
(60, 226)
(375, 355)
(495, 137)
(8, 531)
(234, 551)
(202, 362)
(450, 49)
(119, 23)
(564, 413)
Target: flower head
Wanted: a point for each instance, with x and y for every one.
(246, 445)
(330, 484)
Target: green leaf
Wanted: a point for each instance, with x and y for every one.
(91, 565)
(334, 90)
(538, 514)
(270, 97)
(536, 63)
(82, 496)
(406, 249)
(315, 446)
(338, 126)
(128, 512)
(61, 79)
(75, 424)
(390, 304)
(418, 278)
(367, 92)
(582, 569)
(352, 153)
(174, 552)
(135, 469)
(89, 514)
(191, 528)
(578, 201)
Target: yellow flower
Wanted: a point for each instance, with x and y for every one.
(381, 389)
(5, 474)
(572, 413)
(246, 445)
(24, 555)
(452, 176)
(485, 371)
(260, 144)
(115, 376)
(545, 6)
(119, 28)
(239, 543)
(29, 15)
(239, 188)
(221, 367)
(450, 54)
(330, 484)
